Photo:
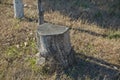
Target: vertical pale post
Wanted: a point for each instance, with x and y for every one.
(18, 8)
(40, 13)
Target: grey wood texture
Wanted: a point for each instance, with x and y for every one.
(18, 8)
(40, 12)
(54, 43)
(50, 29)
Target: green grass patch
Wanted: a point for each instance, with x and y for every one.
(114, 35)
(16, 52)
(12, 52)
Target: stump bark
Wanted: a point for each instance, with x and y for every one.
(54, 45)
(18, 8)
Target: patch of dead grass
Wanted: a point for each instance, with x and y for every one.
(16, 32)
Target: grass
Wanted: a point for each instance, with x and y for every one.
(81, 4)
(18, 42)
(114, 34)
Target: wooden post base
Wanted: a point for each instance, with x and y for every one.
(18, 8)
(54, 44)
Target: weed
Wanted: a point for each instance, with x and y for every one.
(32, 63)
(12, 52)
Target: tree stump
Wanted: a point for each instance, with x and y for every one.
(54, 45)
(18, 8)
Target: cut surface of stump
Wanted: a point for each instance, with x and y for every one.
(54, 44)
(50, 29)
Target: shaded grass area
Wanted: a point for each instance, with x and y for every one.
(104, 13)
(89, 68)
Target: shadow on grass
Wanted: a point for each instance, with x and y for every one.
(27, 19)
(115, 35)
(104, 13)
(89, 68)
(90, 32)
(6, 3)
(30, 19)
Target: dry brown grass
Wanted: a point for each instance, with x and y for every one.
(18, 47)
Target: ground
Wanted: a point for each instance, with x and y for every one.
(94, 32)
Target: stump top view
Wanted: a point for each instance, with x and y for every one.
(50, 29)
